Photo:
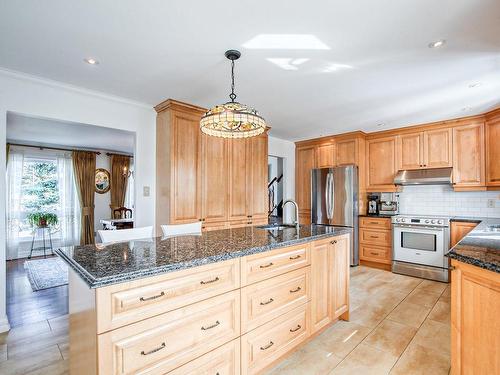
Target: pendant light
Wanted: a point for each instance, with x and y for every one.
(232, 119)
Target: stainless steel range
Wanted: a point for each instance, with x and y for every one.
(419, 245)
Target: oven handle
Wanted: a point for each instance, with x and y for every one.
(439, 229)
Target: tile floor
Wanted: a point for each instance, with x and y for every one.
(399, 325)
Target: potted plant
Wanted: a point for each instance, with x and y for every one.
(42, 219)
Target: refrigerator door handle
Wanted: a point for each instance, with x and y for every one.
(327, 196)
(332, 198)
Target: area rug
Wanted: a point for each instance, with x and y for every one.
(46, 273)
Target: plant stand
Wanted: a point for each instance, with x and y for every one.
(44, 247)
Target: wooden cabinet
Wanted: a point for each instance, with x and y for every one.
(475, 327)
(341, 261)
(410, 151)
(493, 149)
(459, 230)
(325, 155)
(202, 178)
(375, 241)
(468, 156)
(304, 163)
(381, 164)
(347, 151)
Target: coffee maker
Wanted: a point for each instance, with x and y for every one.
(388, 204)
(373, 204)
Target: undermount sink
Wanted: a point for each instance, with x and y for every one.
(275, 226)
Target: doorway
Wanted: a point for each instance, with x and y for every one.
(275, 189)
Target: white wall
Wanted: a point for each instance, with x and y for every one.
(48, 99)
(442, 200)
(286, 150)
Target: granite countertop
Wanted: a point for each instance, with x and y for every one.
(481, 246)
(100, 265)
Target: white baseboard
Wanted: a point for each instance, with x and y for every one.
(4, 324)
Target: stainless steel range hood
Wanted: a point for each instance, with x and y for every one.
(435, 176)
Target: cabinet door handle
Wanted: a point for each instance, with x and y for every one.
(374, 222)
(295, 257)
(203, 282)
(144, 299)
(203, 328)
(373, 236)
(154, 350)
(267, 265)
(333, 242)
(296, 329)
(267, 302)
(267, 346)
(372, 253)
(296, 290)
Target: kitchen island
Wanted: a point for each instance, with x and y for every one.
(475, 299)
(231, 301)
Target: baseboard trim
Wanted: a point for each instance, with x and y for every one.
(4, 324)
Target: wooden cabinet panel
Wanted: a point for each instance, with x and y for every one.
(493, 152)
(381, 162)
(475, 327)
(438, 148)
(321, 286)
(268, 299)
(375, 237)
(410, 149)
(325, 156)
(186, 188)
(257, 160)
(375, 222)
(263, 266)
(347, 152)
(170, 340)
(223, 361)
(375, 240)
(264, 345)
(459, 230)
(215, 179)
(377, 254)
(304, 163)
(238, 180)
(122, 304)
(468, 156)
(341, 267)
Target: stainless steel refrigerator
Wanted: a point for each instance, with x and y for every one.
(335, 201)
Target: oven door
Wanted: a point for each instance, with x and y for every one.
(420, 245)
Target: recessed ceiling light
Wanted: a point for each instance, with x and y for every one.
(475, 84)
(285, 41)
(288, 63)
(91, 61)
(380, 124)
(437, 43)
(333, 67)
(467, 108)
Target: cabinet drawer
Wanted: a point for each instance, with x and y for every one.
(160, 344)
(265, 265)
(375, 222)
(266, 344)
(127, 303)
(375, 237)
(375, 253)
(223, 361)
(268, 299)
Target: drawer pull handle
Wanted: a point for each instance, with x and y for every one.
(210, 327)
(202, 282)
(267, 265)
(296, 329)
(374, 223)
(295, 257)
(372, 253)
(267, 346)
(267, 302)
(154, 350)
(144, 299)
(373, 236)
(333, 242)
(296, 290)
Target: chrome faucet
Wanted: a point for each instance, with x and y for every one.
(296, 222)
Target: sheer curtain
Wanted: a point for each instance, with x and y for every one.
(14, 211)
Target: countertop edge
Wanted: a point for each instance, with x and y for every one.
(94, 283)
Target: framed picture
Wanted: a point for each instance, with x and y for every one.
(102, 181)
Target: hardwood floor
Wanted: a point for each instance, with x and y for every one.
(398, 325)
(25, 306)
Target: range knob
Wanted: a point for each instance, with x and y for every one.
(426, 221)
(433, 221)
(440, 221)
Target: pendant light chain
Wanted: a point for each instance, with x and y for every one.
(232, 95)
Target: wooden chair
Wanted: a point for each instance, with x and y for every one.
(122, 213)
(124, 235)
(181, 229)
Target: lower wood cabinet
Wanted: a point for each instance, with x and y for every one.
(375, 241)
(475, 327)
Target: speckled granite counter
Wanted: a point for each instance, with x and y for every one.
(481, 247)
(102, 265)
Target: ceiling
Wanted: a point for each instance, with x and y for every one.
(311, 68)
(45, 132)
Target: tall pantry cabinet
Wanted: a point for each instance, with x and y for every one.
(220, 182)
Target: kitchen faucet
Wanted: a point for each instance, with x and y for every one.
(296, 222)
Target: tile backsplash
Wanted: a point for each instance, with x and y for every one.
(442, 200)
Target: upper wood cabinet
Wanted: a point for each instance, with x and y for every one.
(493, 149)
(426, 149)
(468, 156)
(381, 164)
(325, 155)
(347, 151)
(304, 163)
